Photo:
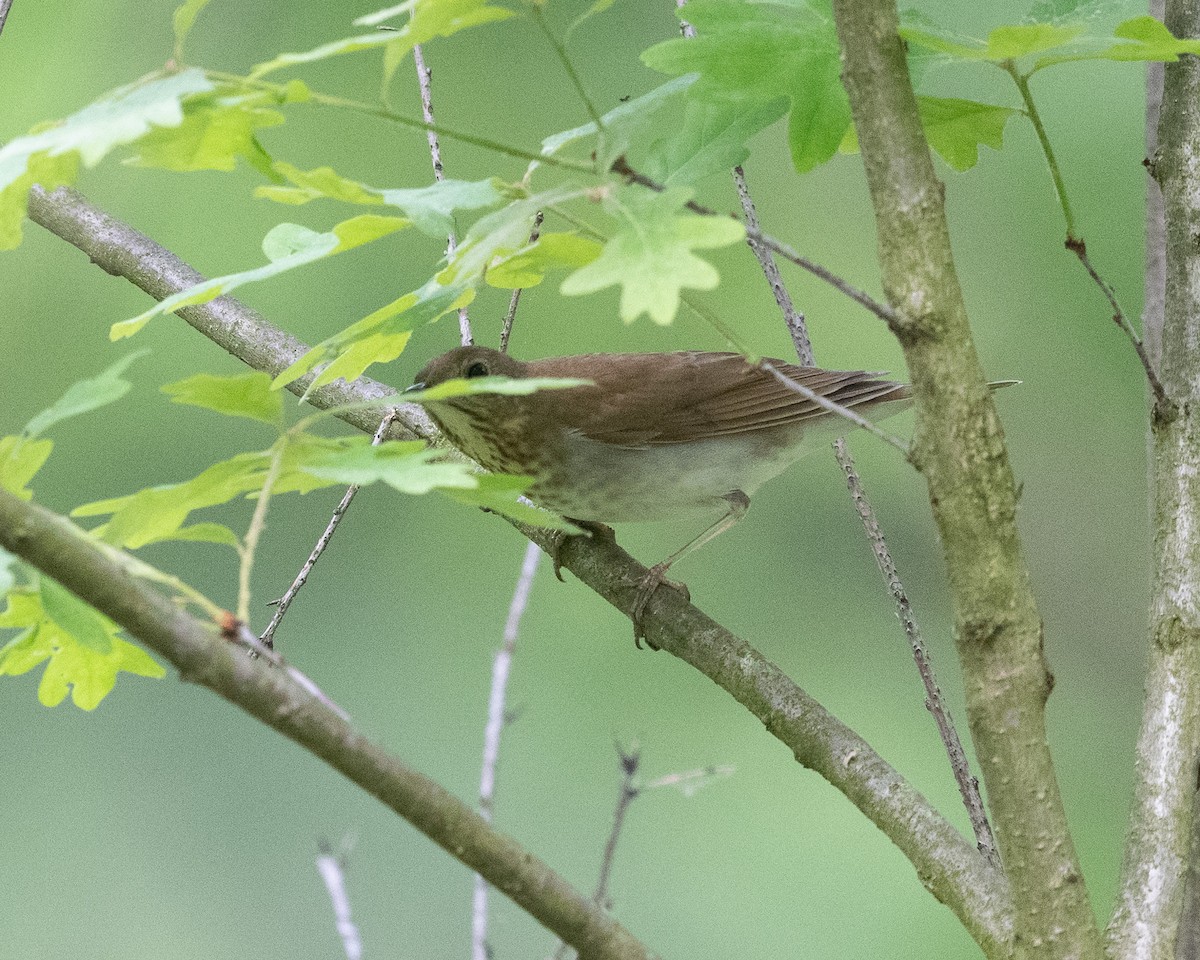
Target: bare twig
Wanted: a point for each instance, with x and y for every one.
(5, 5)
(281, 605)
(968, 786)
(794, 319)
(424, 81)
(626, 794)
(1164, 408)
(331, 866)
(835, 408)
(501, 667)
(506, 330)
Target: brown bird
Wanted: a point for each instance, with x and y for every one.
(655, 436)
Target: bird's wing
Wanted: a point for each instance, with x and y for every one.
(639, 400)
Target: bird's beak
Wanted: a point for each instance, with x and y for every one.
(415, 386)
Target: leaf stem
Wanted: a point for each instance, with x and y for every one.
(1035, 118)
(257, 523)
(329, 100)
(561, 52)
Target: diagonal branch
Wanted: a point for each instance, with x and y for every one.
(55, 546)
(959, 447)
(948, 864)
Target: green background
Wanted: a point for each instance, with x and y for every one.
(168, 824)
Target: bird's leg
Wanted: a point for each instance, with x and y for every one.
(591, 527)
(656, 576)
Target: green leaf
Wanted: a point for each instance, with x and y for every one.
(404, 466)
(20, 460)
(86, 624)
(508, 386)
(955, 129)
(382, 336)
(243, 395)
(204, 533)
(1021, 40)
(1151, 41)
(431, 209)
(86, 673)
(290, 245)
(755, 53)
(315, 184)
(215, 131)
(51, 156)
(501, 493)
(529, 265)
(86, 395)
(624, 124)
(650, 257)
(335, 48)
(428, 19)
(159, 513)
(183, 20)
(713, 139)
(379, 337)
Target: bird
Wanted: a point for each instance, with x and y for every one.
(652, 436)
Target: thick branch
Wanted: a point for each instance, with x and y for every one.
(959, 446)
(55, 546)
(947, 863)
(1157, 848)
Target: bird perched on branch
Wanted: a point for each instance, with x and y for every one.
(653, 436)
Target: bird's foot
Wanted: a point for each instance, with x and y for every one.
(559, 537)
(655, 577)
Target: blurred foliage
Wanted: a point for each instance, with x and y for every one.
(191, 812)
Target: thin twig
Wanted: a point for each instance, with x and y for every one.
(968, 786)
(560, 51)
(239, 633)
(1164, 409)
(424, 81)
(4, 8)
(282, 604)
(778, 247)
(794, 319)
(506, 330)
(626, 794)
(332, 867)
(501, 668)
(836, 408)
(257, 523)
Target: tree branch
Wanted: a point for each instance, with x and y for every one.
(947, 863)
(55, 546)
(1150, 902)
(959, 446)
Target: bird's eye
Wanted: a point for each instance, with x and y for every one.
(477, 369)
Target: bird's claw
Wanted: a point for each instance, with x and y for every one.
(655, 577)
(558, 537)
